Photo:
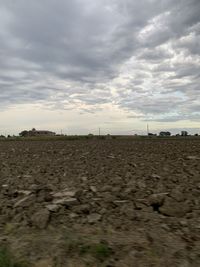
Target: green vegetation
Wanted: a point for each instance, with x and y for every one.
(100, 251)
(7, 260)
(83, 247)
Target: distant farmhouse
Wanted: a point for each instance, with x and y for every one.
(164, 134)
(35, 132)
(152, 134)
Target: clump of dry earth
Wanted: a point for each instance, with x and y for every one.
(101, 202)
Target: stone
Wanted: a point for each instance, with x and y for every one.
(65, 201)
(106, 188)
(5, 185)
(84, 208)
(93, 218)
(192, 157)
(128, 211)
(25, 202)
(155, 176)
(24, 192)
(73, 215)
(177, 194)
(41, 218)
(183, 223)
(93, 188)
(164, 226)
(84, 178)
(36, 188)
(71, 201)
(111, 156)
(64, 193)
(53, 207)
(157, 199)
(103, 211)
(173, 208)
(141, 185)
(120, 201)
(44, 196)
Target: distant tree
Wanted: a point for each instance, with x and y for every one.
(184, 133)
(23, 133)
(165, 134)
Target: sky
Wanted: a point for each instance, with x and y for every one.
(77, 66)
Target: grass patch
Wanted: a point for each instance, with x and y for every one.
(7, 260)
(84, 247)
(100, 251)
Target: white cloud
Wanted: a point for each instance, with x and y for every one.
(141, 58)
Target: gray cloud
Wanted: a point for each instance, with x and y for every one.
(73, 54)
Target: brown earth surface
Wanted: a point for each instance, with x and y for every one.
(111, 203)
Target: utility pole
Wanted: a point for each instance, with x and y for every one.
(99, 131)
(147, 129)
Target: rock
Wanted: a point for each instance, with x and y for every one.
(71, 201)
(34, 187)
(84, 178)
(5, 185)
(192, 157)
(41, 218)
(94, 217)
(44, 196)
(53, 207)
(65, 201)
(96, 199)
(183, 223)
(111, 156)
(73, 215)
(164, 226)
(103, 211)
(141, 185)
(128, 211)
(173, 208)
(155, 176)
(93, 188)
(106, 188)
(120, 202)
(132, 164)
(25, 202)
(177, 194)
(107, 197)
(79, 193)
(64, 193)
(116, 189)
(157, 199)
(129, 191)
(37, 188)
(27, 176)
(24, 192)
(84, 208)
(140, 204)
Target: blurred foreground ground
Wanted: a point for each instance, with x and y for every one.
(100, 203)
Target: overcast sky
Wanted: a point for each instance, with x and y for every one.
(78, 65)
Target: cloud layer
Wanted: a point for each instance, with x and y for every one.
(140, 56)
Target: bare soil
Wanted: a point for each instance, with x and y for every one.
(102, 203)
